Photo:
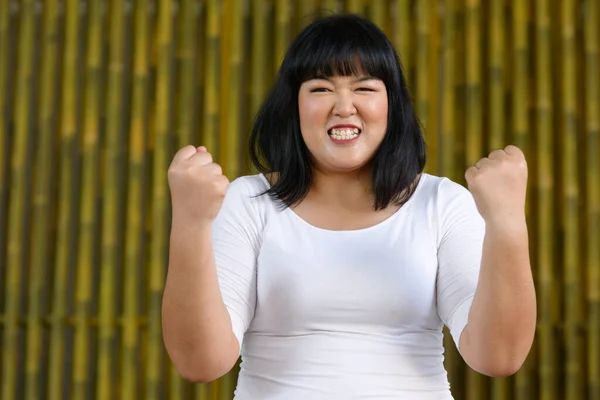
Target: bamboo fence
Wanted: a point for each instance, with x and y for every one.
(97, 95)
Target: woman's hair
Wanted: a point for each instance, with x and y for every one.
(338, 45)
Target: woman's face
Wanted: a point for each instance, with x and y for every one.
(343, 120)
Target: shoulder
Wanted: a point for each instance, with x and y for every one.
(246, 200)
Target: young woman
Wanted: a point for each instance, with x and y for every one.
(333, 271)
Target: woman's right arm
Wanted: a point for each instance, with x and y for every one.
(209, 296)
(197, 329)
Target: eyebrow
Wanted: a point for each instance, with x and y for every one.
(357, 80)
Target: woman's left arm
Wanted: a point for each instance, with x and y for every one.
(502, 319)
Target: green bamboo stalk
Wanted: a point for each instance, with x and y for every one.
(42, 203)
(210, 129)
(65, 236)
(520, 134)
(592, 230)
(162, 155)
(88, 220)
(572, 265)
(135, 205)
(18, 203)
(107, 333)
(188, 53)
(282, 30)
(473, 130)
(547, 305)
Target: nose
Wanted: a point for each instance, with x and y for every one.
(344, 105)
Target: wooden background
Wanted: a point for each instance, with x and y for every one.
(97, 95)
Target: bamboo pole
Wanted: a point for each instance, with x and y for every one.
(592, 228)
(473, 130)
(188, 54)
(5, 137)
(331, 5)
(162, 154)
(42, 203)
(89, 223)
(66, 213)
(401, 37)
(520, 137)
(423, 74)
(282, 30)
(544, 163)
(231, 86)
(18, 203)
(378, 13)
(496, 75)
(136, 205)
(111, 213)
(571, 198)
(211, 128)
(355, 7)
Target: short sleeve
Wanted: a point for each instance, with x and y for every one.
(461, 233)
(236, 242)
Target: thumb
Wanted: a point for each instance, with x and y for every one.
(201, 149)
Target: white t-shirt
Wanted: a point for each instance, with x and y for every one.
(353, 314)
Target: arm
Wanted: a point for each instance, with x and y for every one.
(502, 319)
(197, 329)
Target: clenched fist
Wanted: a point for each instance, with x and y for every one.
(197, 185)
(498, 184)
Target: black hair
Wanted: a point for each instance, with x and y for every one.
(329, 46)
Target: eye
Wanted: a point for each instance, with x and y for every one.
(365, 89)
(319, 90)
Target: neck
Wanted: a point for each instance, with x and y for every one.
(350, 190)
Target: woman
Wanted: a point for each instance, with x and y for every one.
(333, 271)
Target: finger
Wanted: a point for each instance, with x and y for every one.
(201, 148)
(497, 154)
(482, 163)
(184, 153)
(514, 151)
(471, 171)
(214, 169)
(201, 158)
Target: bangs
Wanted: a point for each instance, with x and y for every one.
(343, 48)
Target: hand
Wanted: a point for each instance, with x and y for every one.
(197, 185)
(498, 184)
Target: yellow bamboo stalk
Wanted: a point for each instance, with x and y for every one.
(520, 136)
(355, 7)
(65, 237)
(88, 220)
(378, 13)
(134, 248)
(572, 265)
(212, 61)
(162, 155)
(282, 30)
(448, 120)
(187, 127)
(547, 306)
(496, 75)
(230, 145)
(42, 201)
(107, 334)
(432, 134)
(422, 62)
(473, 130)
(4, 134)
(592, 227)
(17, 216)
(402, 37)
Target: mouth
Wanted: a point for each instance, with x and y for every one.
(343, 135)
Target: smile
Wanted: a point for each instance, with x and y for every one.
(344, 135)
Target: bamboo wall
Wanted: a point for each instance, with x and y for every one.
(96, 96)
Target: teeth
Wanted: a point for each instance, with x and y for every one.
(344, 134)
